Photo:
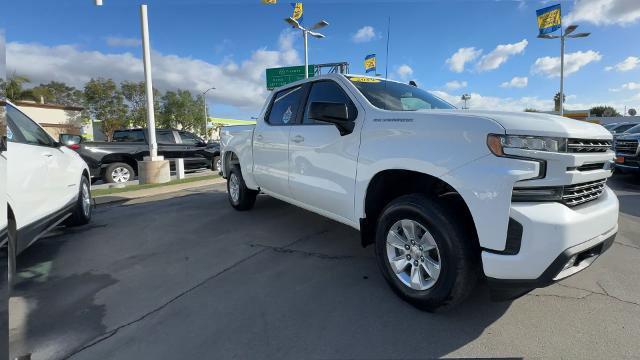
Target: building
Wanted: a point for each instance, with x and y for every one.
(57, 119)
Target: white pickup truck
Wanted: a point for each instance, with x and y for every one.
(445, 195)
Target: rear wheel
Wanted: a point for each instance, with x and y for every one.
(240, 196)
(216, 164)
(82, 210)
(424, 254)
(118, 173)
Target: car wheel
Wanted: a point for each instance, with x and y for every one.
(424, 254)
(81, 214)
(217, 164)
(118, 173)
(240, 196)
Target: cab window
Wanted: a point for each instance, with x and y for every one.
(284, 109)
(189, 138)
(327, 91)
(128, 136)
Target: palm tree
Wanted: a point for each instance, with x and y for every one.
(14, 90)
(556, 101)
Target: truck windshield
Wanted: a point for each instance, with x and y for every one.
(391, 95)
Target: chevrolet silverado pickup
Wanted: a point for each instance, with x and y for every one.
(117, 161)
(628, 152)
(446, 196)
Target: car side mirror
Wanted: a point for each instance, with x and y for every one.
(69, 139)
(333, 113)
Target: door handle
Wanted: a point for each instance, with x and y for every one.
(47, 155)
(298, 139)
(259, 137)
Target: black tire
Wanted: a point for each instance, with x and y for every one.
(458, 259)
(216, 165)
(109, 172)
(81, 215)
(246, 197)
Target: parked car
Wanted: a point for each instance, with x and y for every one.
(628, 152)
(620, 128)
(48, 184)
(444, 195)
(117, 161)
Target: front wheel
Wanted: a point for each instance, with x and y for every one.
(118, 173)
(424, 255)
(240, 196)
(216, 164)
(81, 214)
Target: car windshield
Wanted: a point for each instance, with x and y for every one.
(623, 128)
(391, 95)
(633, 130)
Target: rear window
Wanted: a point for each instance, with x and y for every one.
(128, 136)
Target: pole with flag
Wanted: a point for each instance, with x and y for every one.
(297, 12)
(370, 63)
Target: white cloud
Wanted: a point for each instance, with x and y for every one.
(453, 85)
(550, 66)
(115, 41)
(481, 102)
(403, 72)
(604, 12)
(240, 84)
(500, 55)
(516, 82)
(627, 64)
(364, 34)
(627, 86)
(458, 60)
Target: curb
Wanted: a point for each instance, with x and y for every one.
(161, 190)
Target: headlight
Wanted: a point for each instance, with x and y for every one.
(497, 143)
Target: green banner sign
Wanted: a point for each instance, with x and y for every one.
(277, 77)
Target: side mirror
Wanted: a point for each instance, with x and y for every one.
(333, 113)
(69, 139)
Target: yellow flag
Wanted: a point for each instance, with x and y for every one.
(297, 11)
(269, 2)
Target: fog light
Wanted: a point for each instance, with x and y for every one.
(570, 263)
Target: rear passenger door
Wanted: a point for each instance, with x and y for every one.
(271, 141)
(167, 145)
(322, 163)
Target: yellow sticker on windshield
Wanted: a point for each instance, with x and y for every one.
(364, 79)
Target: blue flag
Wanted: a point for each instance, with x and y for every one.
(549, 19)
(370, 63)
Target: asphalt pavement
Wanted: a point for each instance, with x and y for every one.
(187, 277)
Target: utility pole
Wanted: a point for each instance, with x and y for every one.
(151, 120)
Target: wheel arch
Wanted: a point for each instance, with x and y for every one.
(387, 185)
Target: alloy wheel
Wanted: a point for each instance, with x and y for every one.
(120, 175)
(413, 254)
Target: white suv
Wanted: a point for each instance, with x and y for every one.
(47, 183)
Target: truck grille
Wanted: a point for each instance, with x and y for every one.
(587, 145)
(627, 146)
(577, 194)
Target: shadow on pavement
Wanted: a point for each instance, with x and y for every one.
(204, 281)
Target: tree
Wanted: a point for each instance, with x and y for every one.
(105, 103)
(181, 110)
(136, 98)
(603, 110)
(556, 101)
(14, 89)
(531, 110)
(58, 93)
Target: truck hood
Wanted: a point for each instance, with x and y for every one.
(539, 124)
(634, 136)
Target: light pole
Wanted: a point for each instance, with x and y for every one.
(563, 35)
(305, 32)
(206, 114)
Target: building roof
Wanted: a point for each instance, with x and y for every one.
(26, 103)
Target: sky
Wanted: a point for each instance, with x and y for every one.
(488, 49)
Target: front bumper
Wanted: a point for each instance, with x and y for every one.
(630, 164)
(553, 233)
